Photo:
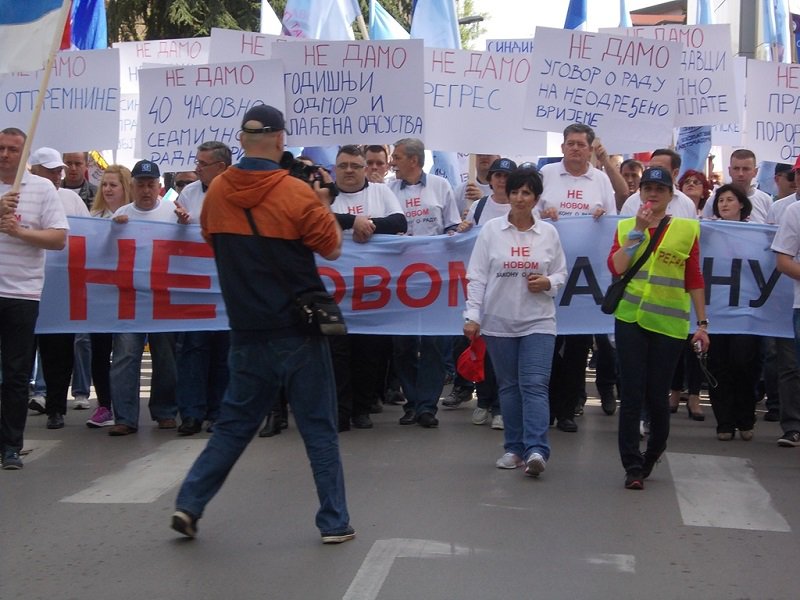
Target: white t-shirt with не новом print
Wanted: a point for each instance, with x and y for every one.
(429, 206)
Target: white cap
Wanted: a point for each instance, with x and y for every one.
(47, 157)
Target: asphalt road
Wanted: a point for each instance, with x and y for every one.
(88, 518)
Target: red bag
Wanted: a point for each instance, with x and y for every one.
(470, 363)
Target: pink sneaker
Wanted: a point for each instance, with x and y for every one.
(101, 417)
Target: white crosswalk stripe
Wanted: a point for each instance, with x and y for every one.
(144, 479)
(722, 491)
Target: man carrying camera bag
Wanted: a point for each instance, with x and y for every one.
(265, 227)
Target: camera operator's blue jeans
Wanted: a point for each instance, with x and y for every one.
(258, 370)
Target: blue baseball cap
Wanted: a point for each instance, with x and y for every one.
(503, 165)
(656, 175)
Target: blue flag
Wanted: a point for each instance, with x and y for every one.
(436, 22)
(624, 15)
(26, 31)
(382, 25)
(576, 15)
(89, 29)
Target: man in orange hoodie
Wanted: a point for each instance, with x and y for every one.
(265, 227)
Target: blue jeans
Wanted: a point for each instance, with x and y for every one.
(647, 361)
(202, 373)
(82, 367)
(126, 368)
(419, 362)
(302, 366)
(522, 366)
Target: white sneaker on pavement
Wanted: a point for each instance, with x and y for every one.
(81, 402)
(535, 465)
(480, 416)
(509, 460)
(497, 422)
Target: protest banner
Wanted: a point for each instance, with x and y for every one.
(772, 122)
(232, 45)
(620, 86)
(182, 51)
(80, 109)
(706, 88)
(184, 106)
(147, 276)
(346, 92)
(474, 102)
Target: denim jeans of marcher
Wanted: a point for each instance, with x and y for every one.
(522, 366)
(202, 361)
(419, 362)
(258, 371)
(647, 361)
(17, 346)
(126, 367)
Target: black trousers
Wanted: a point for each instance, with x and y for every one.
(58, 355)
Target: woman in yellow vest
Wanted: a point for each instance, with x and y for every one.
(652, 319)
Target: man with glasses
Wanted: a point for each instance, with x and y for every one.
(363, 208)
(202, 356)
(182, 179)
(785, 183)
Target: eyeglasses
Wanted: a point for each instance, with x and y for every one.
(353, 166)
(203, 164)
(692, 181)
(182, 183)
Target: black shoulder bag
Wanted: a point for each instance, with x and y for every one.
(316, 311)
(616, 290)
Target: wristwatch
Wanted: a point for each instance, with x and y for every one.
(702, 323)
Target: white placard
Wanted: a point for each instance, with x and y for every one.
(183, 51)
(474, 102)
(620, 86)
(706, 87)
(732, 133)
(128, 119)
(352, 92)
(80, 111)
(511, 46)
(231, 45)
(183, 106)
(773, 110)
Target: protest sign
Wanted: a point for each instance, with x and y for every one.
(231, 45)
(149, 276)
(622, 87)
(346, 92)
(80, 110)
(706, 89)
(128, 117)
(184, 106)
(512, 46)
(772, 122)
(732, 133)
(474, 102)
(132, 55)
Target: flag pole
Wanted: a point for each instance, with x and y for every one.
(362, 26)
(37, 109)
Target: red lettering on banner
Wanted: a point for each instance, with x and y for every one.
(433, 292)
(361, 289)
(80, 276)
(458, 275)
(577, 194)
(521, 251)
(338, 282)
(161, 280)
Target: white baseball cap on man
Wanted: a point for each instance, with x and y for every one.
(47, 157)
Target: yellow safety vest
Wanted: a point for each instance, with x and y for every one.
(656, 297)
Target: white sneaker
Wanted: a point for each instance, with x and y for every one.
(81, 403)
(480, 416)
(509, 460)
(535, 465)
(497, 422)
(37, 404)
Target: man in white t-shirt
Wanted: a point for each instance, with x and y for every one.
(743, 170)
(573, 187)
(32, 220)
(680, 205)
(468, 192)
(430, 209)
(362, 209)
(212, 159)
(58, 351)
(128, 347)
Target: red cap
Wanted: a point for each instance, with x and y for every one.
(470, 363)
(796, 164)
